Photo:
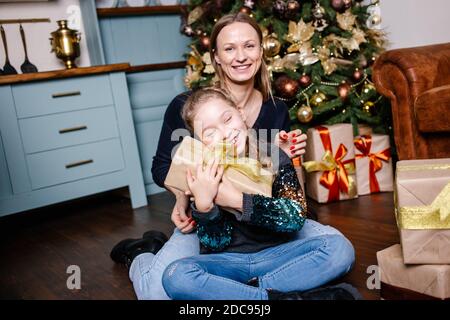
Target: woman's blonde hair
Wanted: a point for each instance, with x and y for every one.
(262, 79)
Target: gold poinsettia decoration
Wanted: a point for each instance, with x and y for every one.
(206, 58)
(298, 34)
(328, 64)
(346, 20)
(194, 15)
(359, 36)
(378, 37)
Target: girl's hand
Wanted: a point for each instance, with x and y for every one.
(204, 186)
(292, 143)
(228, 196)
(181, 214)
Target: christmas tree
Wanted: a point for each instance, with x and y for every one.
(319, 54)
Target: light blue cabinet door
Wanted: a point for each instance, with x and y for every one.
(150, 94)
(143, 39)
(5, 181)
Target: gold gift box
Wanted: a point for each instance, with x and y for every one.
(192, 152)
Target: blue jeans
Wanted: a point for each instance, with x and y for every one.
(147, 269)
(298, 265)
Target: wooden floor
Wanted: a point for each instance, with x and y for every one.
(37, 247)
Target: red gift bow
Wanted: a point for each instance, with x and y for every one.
(332, 180)
(363, 144)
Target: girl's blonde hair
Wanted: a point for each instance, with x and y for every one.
(198, 98)
(262, 79)
(201, 96)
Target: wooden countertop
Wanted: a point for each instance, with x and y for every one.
(64, 73)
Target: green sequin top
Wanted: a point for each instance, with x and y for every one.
(264, 222)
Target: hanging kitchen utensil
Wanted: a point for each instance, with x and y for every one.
(7, 68)
(27, 66)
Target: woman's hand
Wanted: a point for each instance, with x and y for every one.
(292, 143)
(204, 186)
(181, 214)
(228, 196)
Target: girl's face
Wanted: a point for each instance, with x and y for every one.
(239, 52)
(216, 121)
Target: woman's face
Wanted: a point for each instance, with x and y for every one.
(216, 122)
(238, 52)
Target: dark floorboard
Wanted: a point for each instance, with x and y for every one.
(36, 247)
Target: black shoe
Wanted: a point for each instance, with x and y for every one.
(156, 235)
(126, 250)
(341, 291)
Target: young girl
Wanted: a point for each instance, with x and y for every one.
(252, 255)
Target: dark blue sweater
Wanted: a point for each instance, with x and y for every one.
(272, 116)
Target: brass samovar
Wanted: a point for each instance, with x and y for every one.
(65, 43)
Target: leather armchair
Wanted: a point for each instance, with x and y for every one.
(417, 82)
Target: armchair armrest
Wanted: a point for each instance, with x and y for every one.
(432, 110)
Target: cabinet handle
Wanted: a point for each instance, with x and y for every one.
(67, 130)
(66, 94)
(78, 163)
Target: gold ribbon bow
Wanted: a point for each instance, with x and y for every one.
(336, 172)
(248, 166)
(434, 216)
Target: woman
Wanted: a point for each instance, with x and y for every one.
(238, 61)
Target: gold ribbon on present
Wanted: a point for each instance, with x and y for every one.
(433, 216)
(336, 172)
(364, 144)
(249, 167)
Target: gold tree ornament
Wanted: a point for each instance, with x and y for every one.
(271, 46)
(369, 107)
(368, 87)
(318, 98)
(304, 114)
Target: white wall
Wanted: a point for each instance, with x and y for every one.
(411, 23)
(38, 34)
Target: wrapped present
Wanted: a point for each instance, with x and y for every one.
(330, 163)
(411, 281)
(364, 129)
(245, 174)
(423, 210)
(373, 164)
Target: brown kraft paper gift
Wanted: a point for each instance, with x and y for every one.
(424, 231)
(429, 280)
